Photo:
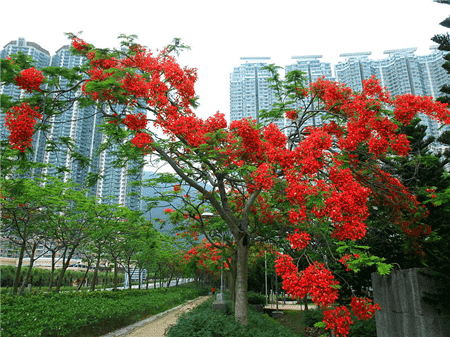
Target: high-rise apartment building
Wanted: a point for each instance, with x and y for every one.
(312, 67)
(356, 68)
(42, 58)
(81, 125)
(249, 89)
(401, 72)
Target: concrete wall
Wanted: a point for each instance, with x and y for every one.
(403, 312)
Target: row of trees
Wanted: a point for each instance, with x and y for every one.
(315, 184)
(40, 277)
(64, 222)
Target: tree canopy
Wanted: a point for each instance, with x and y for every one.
(315, 182)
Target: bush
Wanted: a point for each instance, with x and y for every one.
(359, 328)
(312, 316)
(204, 321)
(79, 314)
(255, 298)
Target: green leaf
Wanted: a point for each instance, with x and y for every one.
(320, 325)
(384, 268)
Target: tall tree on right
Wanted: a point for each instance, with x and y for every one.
(444, 44)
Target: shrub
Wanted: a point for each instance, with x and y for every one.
(78, 314)
(255, 298)
(359, 328)
(204, 321)
(312, 316)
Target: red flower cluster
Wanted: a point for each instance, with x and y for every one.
(300, 240)
(263, 177)
(315, 280)
(20, 121)
(30, 79)
(135, 122)
(363, 307)
(408, 105)
(344, 259)
(79, 44)
(143, 141)
(338, 320)
(292, 114)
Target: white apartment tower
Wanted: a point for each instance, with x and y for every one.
(249, 89)
(401, 72)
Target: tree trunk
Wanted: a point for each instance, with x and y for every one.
(116, 275)
(19, 268)
(84, 276)
(139, 277)
(30, 267)
(97, 266)
(232, 277)
(52, 272)
(106, 278)
(170, 279)
(241, 302)
(64, 268)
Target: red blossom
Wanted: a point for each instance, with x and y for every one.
(299, 240)
(79, 44)
(135, 122)
(30, 79)
(363, 308)
(338, 320)
(143, 141)
(20, 121)
(292, 114)
(347, 257)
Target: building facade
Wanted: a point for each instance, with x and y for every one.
(81, 125)
(42, 59)
(249, 89)
(401, 72)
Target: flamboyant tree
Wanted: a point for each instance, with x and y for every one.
(322, 177)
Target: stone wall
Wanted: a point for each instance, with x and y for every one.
(403, 312)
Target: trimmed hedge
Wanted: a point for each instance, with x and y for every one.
(85, 313)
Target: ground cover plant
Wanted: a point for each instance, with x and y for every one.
(206, 322)
(80, 314)
(303, 323)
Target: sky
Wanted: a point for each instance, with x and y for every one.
(220, 33)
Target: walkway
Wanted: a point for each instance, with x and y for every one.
(157, 325)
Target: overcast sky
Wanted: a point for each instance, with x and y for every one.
(219, 33)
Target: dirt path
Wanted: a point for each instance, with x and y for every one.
(157, 325)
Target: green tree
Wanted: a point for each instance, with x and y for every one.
(320, 177)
